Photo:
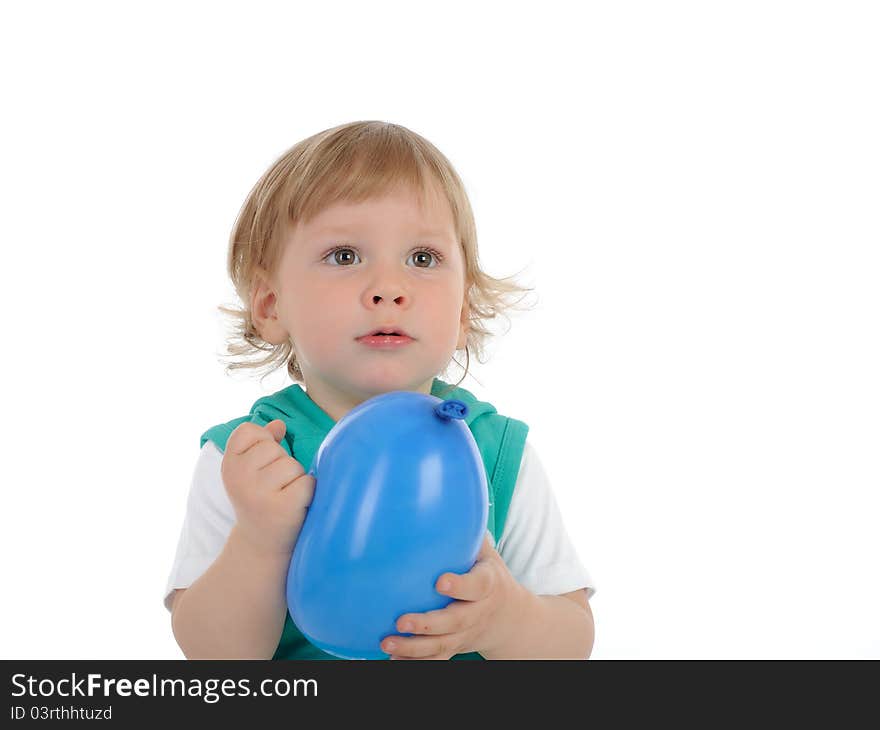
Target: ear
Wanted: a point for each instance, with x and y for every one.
(264, 311)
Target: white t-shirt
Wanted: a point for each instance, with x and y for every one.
(534, 543)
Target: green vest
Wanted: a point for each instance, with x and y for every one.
(500, 440)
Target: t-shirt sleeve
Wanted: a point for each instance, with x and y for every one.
(206, 525)
(534, 544)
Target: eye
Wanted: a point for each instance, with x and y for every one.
(338, 250)
(424, 255)
(341, 256)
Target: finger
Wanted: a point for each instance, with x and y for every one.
(263, 453)
(300, 493)
(449, 620)
(282, 472)
(420, 647)
(277, 428)
(453, 585)
(471, 586)
(247, 435)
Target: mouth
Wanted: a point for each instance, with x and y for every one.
(385, 338)
(386, 332)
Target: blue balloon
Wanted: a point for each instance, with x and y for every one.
(400, 498)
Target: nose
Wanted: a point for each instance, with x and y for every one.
(387, 295)
(387, 289)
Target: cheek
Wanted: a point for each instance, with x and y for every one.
(317, 319)
(444, 314)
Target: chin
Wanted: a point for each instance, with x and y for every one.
(387, 381)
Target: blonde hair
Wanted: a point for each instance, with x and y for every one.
(352, 163)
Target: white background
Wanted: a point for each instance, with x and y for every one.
(692, 188)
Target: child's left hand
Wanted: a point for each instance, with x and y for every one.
(487, 602)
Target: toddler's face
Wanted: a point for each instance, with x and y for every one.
(394, 265)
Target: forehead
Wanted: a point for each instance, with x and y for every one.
(400, 208)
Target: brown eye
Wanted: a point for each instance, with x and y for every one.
(425, 256)
(341, 255)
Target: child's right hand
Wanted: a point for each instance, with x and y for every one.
(269, 490)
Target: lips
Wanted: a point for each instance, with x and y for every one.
(386, 338)
(389, 331)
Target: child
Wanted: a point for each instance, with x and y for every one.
(360, 229)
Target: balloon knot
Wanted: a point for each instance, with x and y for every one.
(449, 409)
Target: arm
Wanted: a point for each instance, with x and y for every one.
(535, 545)
(559, 627)
(237, 607)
